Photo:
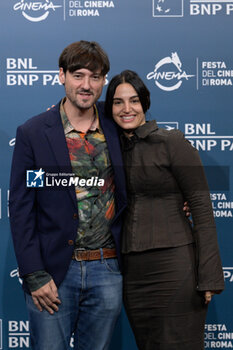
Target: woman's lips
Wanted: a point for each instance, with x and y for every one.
(128, 118)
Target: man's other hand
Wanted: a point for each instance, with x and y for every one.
(46, 297)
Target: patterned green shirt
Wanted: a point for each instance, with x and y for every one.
(89, 158)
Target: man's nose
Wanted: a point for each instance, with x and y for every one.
(86, 83)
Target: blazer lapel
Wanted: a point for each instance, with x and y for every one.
(114, 148)
(57, 141)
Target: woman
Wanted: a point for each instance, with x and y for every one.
(171, 268)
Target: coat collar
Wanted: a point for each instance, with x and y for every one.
(140, 133)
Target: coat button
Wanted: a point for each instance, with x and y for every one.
(75, 216)
(71, 242)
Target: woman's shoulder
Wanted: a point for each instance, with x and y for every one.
(174, 139)
(167, 134)
(170, 133)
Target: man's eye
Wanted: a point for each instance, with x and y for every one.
(96, 77)
(77, 76)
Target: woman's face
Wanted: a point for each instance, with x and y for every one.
(127, 109)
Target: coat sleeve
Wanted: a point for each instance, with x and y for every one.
(22, 208)
(188, 170)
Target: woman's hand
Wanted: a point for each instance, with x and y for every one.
(187, 212)
(48, 109)
(208, 296)
(186, 209)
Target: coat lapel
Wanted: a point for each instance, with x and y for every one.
(114, 148)
(56, 138)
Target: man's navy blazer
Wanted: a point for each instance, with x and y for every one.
(44, 220)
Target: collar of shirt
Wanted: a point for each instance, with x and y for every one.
(68, 127)
(145, 129)
(140, 133)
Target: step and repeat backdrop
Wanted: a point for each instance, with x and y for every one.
(183, 50)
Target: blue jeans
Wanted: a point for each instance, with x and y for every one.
(91, 299)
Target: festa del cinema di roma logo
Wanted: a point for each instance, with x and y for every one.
(166, 78)
(35, 11)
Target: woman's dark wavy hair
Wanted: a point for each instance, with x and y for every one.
(132, 78)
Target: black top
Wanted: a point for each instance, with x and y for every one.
(163, 170)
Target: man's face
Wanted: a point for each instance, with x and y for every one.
(83, 87)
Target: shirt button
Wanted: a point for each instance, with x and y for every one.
(71, 242)
(75, 216)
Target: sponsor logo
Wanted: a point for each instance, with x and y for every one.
(211, 8)
(168, 73)
(35, 11)
(168, 8)
(18, 336)
(22, 71)
(228, 274)
(35, 178)
(168, 125)
(204, 138)
(175, 8)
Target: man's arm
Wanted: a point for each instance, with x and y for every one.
(23, 220)
(22, 207)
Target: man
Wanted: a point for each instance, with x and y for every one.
(67, 239)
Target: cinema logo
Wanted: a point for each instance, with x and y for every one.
(216, 73)
(22, 72)
(15, 273)
(217, 336)
(211, 8)
(85, 8)
(35, 11)
(12, 142)
(168, 74)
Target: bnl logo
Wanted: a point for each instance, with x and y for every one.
(168, 8)
(35, 178)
